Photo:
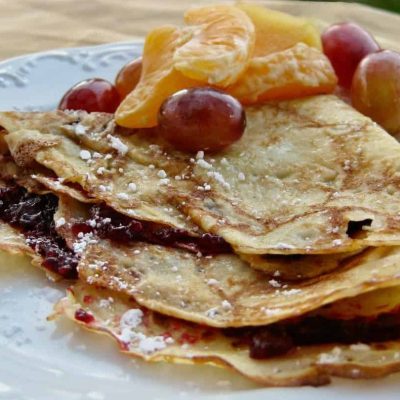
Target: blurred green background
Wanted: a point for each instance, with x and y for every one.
(391, 5)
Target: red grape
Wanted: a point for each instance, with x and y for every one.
(345, 45)
(128, 77)
(201, 119)
(91, 95)
(376, 89)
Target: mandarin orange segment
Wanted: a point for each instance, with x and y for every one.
(158, 79)
(221, 46)
(296, 72)
(253, 52)
(277, 31)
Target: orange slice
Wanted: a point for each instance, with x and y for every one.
(158, 80)
(296, 72)
(277, 31)
(250, 51)
(221, 46)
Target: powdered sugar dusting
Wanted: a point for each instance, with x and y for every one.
(131, 320)
(60, 222)
(212, 312)
(360, 347)
(118, 145)
(151, 344)
(270, 312)
(83, 240)
(123, 196)
(226, 305)
(219, 178)
(85, 155)
(332, 357)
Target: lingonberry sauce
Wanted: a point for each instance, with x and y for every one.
(83, 316)
(109, 224)
(33, 215)
(280, 338)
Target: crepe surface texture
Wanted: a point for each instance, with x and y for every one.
(220, 290)
(296, 267)
(152, 337)
(302, 176)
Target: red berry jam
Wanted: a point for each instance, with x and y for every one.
(120, 228)
(33, 215)
(280, 338)
(269, 343)
(83, 316)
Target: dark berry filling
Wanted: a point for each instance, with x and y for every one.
(280, 338)
(108, 224)
(33, 215)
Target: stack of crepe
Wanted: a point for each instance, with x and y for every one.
(276, 258)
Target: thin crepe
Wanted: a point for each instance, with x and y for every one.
(112, 313)
(222, 290)
(301, 174)
(56, 140)
(144, 334)
(284, 267)
(297, 266)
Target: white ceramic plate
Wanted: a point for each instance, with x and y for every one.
(42, 360)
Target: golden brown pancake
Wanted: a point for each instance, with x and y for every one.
(284, 267)
(116, 313)
(221, 290)
(296, 267)
(142, 333)
(105, 176)
(365, 305)
(303, 176)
